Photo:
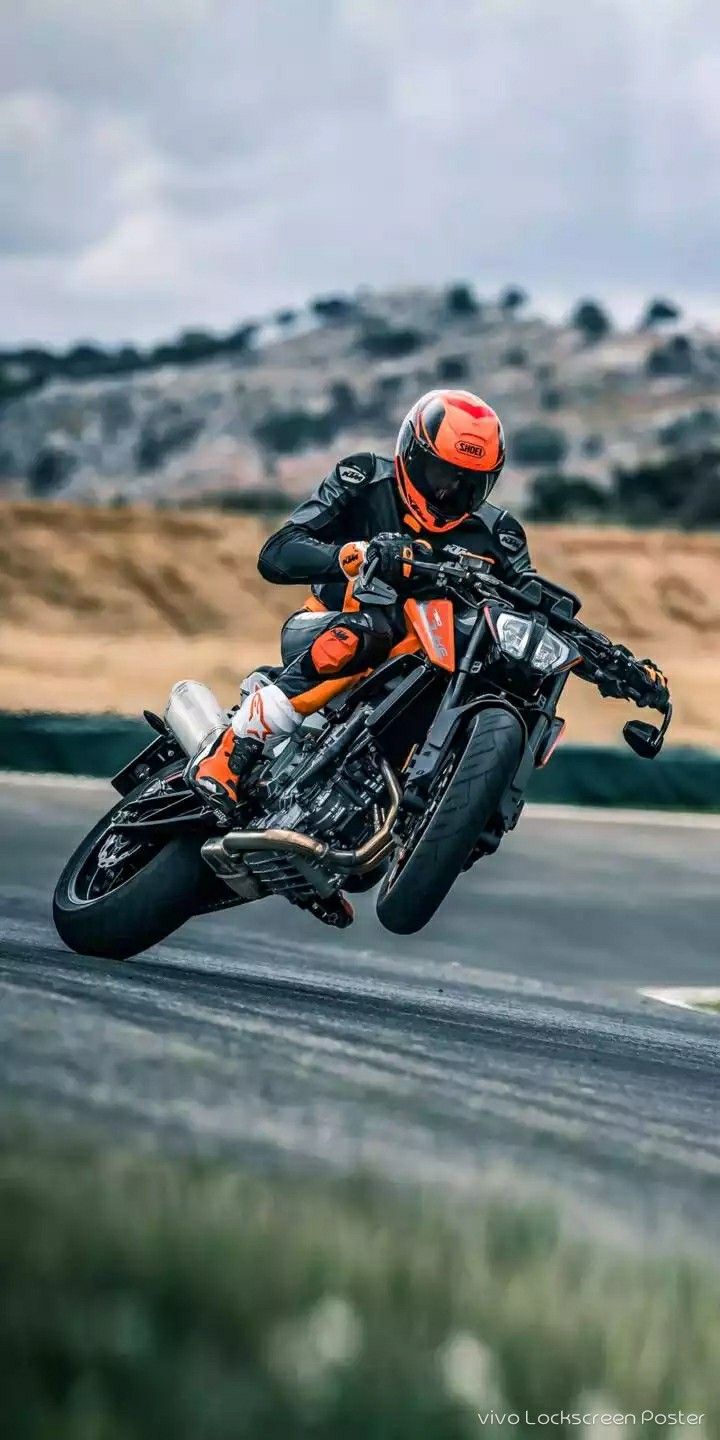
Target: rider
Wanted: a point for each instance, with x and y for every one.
(432, 497)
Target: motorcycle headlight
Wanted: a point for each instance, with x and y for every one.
(551, 652)
(514, 634)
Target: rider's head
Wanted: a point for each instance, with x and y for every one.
(449, 454)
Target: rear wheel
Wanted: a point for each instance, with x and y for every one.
(463, 803)
(119, 894)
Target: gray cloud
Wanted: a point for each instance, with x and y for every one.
(173, 162)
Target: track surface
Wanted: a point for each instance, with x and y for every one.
(508, 1039)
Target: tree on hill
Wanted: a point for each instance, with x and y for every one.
(333, 307)
(512, 299)
(659, 312)
(591, 320)
(460, 299)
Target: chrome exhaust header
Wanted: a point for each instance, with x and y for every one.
(236, 842)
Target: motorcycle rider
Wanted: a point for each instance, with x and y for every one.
(432, 497)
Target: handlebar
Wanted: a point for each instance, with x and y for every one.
(596, 648)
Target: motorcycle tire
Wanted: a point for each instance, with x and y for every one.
(477, 776)
(144, 909)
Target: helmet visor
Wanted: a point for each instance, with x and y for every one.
(450, 490)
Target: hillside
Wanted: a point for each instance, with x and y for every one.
(103, 609)
(265, 410)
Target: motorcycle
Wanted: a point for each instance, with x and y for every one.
(408, 775)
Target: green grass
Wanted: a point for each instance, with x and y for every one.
(171, 1301)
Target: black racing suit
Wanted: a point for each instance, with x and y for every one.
(359, 500)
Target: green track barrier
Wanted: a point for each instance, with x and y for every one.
(99, 745)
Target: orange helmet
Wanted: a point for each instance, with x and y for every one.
(449, 454)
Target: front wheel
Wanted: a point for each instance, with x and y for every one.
(117, 896)
(465, 799)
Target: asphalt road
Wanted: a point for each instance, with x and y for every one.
(508, 1043)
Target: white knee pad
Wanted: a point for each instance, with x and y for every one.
(265, 713)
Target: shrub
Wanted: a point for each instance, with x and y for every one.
(538, 444)
(167, 430)
(240, 340)
(83, 361)
(127, 359)
(453, 367)
(286, 431)
(560, 497)
(388, 386)
(683, 490)
(14, 383)
(49, 471)
(460, 299)
(381, 342)
(591, 320)
(242, 502)
(515, 356)
(592, 445)
(689, 432)
(344, 406)
(675, 357)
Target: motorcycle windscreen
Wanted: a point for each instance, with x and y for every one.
(434, 624)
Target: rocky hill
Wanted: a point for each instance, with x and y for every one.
(262, 412)
(103, 609)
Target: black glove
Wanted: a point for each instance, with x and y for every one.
(653, 685)
(625, 678)
(393, 556)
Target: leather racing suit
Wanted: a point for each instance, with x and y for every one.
(358, 501)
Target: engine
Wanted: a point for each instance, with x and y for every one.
(340, 807)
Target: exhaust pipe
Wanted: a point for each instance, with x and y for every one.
(294, 842)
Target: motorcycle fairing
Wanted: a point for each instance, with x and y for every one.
(434, 624)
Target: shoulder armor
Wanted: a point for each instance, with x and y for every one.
(357, 469)
(490, 515)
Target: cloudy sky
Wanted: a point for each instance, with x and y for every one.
(168, 163)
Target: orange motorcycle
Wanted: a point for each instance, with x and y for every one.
(405, 778)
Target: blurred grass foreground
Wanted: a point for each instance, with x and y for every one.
(171, 1299)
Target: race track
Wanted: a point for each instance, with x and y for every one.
(508, 1040)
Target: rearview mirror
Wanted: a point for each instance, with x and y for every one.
(646, 740)
(532, 591)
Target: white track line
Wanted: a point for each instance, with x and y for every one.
(598, 814)
(579, 814)
(687, 997)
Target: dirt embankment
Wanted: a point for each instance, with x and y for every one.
(104, 609)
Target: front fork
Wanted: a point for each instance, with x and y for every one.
(453, 710)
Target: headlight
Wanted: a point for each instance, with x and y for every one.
(514, 634)
(550, 653)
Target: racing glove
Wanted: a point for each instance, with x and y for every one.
(625, 678)
(657, 690)
(394, 555)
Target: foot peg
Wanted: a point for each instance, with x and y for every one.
(336, 910)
